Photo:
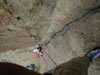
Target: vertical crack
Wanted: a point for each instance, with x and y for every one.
(66, 25)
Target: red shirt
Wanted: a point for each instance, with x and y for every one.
(37, 54)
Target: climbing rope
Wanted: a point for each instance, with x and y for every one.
(50, 58)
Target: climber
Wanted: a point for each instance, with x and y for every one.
(38, 50)
(76, 66)
(31, 67)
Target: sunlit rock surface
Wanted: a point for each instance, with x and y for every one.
(66, 28)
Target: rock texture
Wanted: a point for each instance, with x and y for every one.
(66, 28)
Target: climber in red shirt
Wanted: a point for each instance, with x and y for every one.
(38, 50)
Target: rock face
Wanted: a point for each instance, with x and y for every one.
(67, 28)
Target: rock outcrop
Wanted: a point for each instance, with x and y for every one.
(67, 28)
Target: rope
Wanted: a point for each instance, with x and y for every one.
(45, 43)
(50, 58)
